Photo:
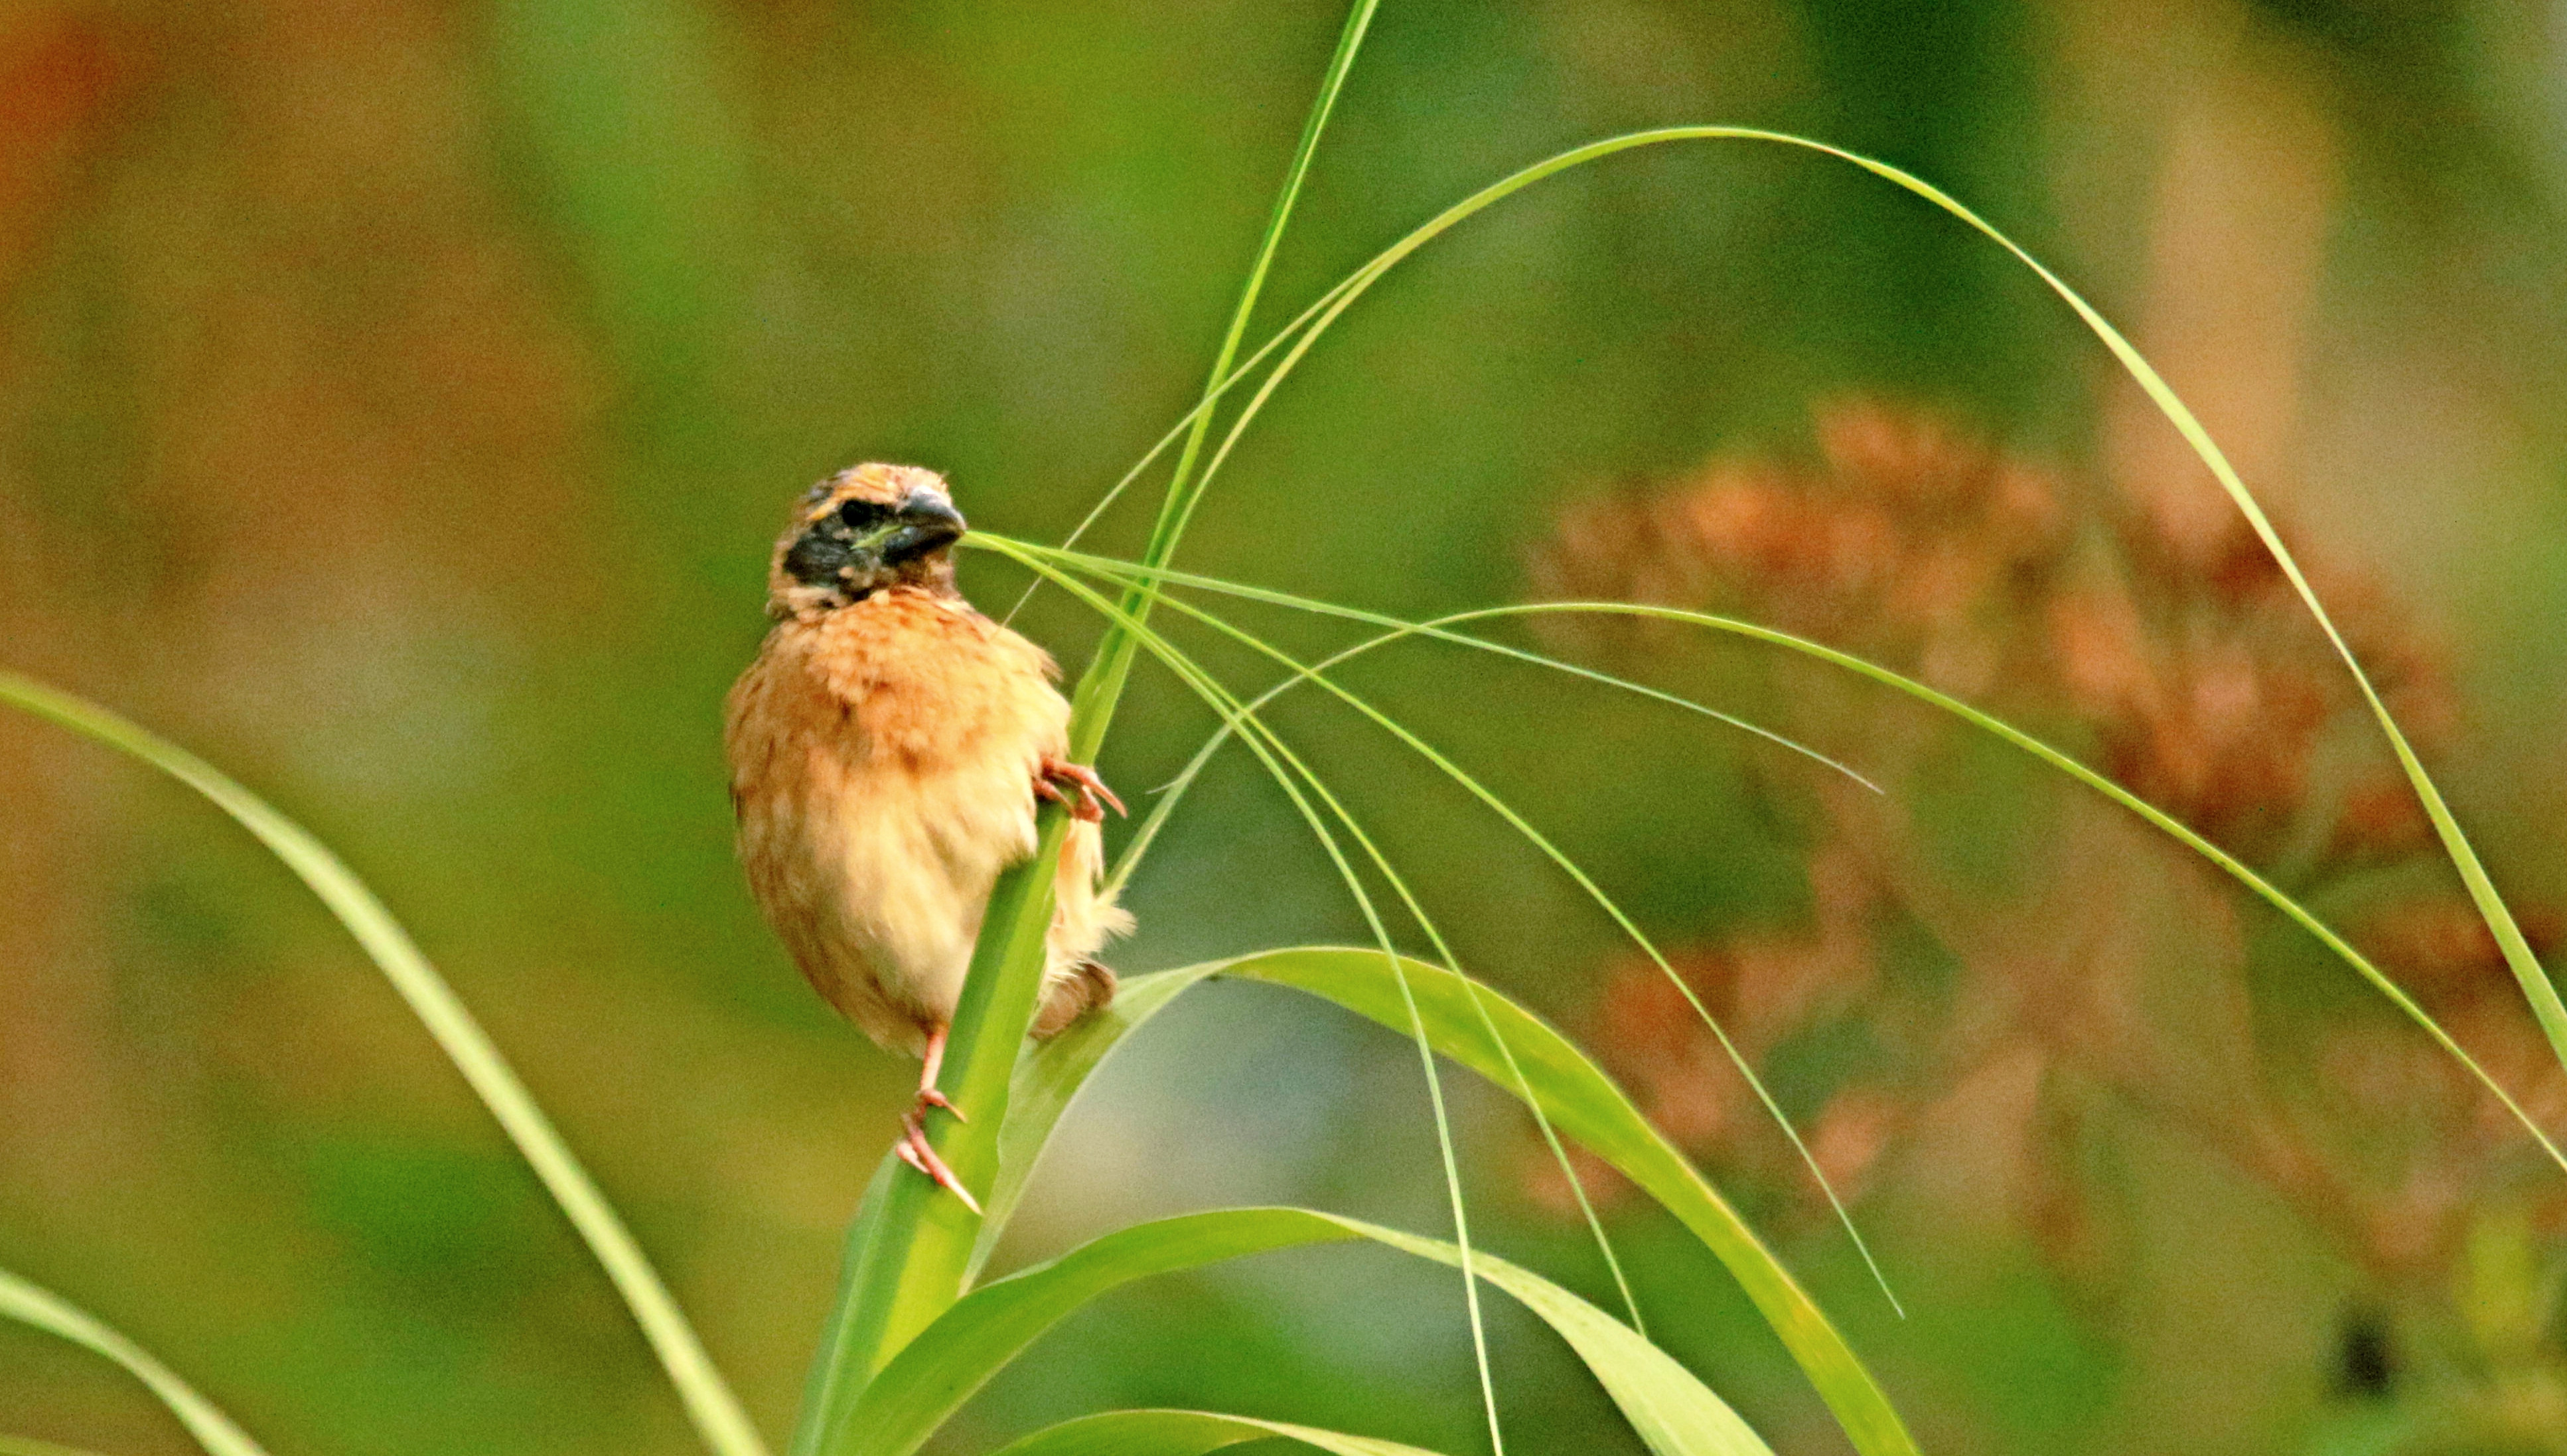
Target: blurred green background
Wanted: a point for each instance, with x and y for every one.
(397, 400)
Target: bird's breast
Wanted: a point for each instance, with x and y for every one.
(882, 761)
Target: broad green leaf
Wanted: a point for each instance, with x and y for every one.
(1184, 1433)
(1578, 1098)
(1676, 1413)
(718, 1419)
(1583, 1102)
(33, 1305)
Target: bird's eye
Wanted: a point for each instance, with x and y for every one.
(856, 516)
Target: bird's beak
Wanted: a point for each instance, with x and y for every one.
(924, 523)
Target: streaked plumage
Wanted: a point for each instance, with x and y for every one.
(887, 750)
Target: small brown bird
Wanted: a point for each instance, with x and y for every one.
(887, 749)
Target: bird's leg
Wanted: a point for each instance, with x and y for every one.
(915, 1150)
(928, 1095)
(1084, 790)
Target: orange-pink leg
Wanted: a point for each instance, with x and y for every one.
(1084, 791)
(915, 1150)
(927, 1075)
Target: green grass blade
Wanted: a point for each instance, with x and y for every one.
(1180, 501)
(1674, 1412)
(1595, 892)
(2537, 989)
(1185, 1433)
(1437, 630)
(968, 1343)
(1290, 774)
(2175, 828)
(1164, 805)
(2235, 868)
(1417, 912)
(718, 1419)
(1051, 1075)
(1184, 425)
(31, 1303)
(1101, 685)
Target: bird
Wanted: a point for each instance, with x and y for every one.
(889, 750)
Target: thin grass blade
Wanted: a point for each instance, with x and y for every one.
(1436, 630)
(1587, 884)
(715, 1412)
(2227, 863)
(2538, 991)
(31, 1303)
(1292, 776)
(1101, 685)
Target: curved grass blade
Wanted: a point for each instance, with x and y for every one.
(2229, 864)
(1290, 774)
(1674, 1412)
(1102, 684)
(1437, 629)
(2537, 989)
(1595, 892)
(718, 1419)
(2235, 868)
(1444, 952)
(1183, 1433)
(1173, 792)
(31, 1303)
(1050, 1075)
(1268, 749)
(1480, 1028)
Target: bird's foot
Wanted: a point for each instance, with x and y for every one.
(1084, 790)
(918, 1153)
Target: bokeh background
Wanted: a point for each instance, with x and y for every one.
(397, 400)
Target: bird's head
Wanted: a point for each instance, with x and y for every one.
(860, 531)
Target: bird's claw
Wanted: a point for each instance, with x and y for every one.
(1083, 794)
(918, 1153)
